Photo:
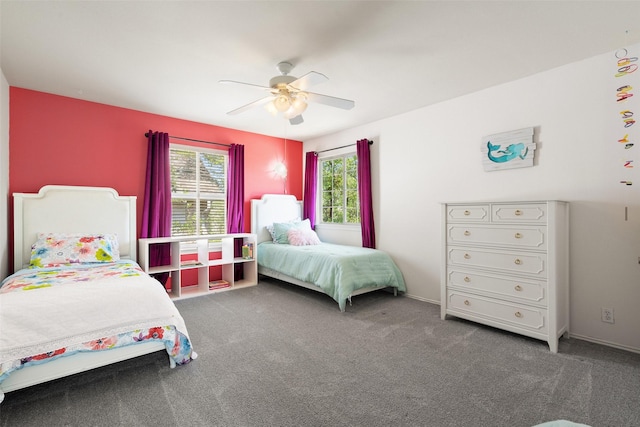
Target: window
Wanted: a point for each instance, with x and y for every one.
(198, 191)
(339, 178)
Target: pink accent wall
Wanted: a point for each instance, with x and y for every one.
(66, 141)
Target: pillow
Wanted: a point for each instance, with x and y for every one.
(280, 229)
(271, 230)
(303, 237)
(59, 248)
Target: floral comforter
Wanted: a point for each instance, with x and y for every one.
(47, 313)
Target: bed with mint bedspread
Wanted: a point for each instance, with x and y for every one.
(338, 270)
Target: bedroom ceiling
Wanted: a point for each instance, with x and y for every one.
(390, 57)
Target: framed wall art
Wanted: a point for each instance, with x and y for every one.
(508, 150)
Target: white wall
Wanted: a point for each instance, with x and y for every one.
(4, 173)
(4, 176)
(432, 155)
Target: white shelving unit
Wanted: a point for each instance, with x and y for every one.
(227, 261)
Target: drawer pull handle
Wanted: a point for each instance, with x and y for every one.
(517, 261)
(518, 236)
(518, 314)
(466, 302)
(466, 279)
(467, 233)
(518, 288)
(467, 213)
(467, 256)
(518, 212)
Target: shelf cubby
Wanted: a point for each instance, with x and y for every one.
(228, 261)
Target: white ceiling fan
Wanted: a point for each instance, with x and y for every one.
(289, 95)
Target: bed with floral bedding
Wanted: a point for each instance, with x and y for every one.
(78, 300)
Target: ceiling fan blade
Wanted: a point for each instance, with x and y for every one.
(332, 101)
(244, 108)
(308, 80)
(296, 120)
(244, 84)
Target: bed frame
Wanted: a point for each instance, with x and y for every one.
(70, 209)
(282, 208)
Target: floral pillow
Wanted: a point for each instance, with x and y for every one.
(281, 229)
(302, 237)
(57, 248)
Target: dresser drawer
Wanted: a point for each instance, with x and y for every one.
(501, 235)
(529, 291)
(498, 311)
(468, 213)
(534, 212)
(505, 261)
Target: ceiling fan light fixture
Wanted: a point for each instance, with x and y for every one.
(287, 94)
(299, 104)
(282, 102)
(290, 113)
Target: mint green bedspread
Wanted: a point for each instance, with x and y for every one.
(337, 269)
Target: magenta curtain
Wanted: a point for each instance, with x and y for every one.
(235, 193)
(364, 193)
(310, 188)
(156, 210)
(235, 200)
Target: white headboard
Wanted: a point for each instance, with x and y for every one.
(70, 209)
(273, 208)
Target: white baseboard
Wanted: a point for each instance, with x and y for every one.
(436, 302)
(571, 335)
(603, 342)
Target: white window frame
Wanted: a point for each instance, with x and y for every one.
(319, 213)
(189, 248)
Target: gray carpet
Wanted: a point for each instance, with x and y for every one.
(278, 355)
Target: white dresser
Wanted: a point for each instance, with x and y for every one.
(506, 264)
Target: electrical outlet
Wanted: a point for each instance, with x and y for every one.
(607, 315)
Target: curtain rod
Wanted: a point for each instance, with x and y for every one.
(337, 148)
(193, 140)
